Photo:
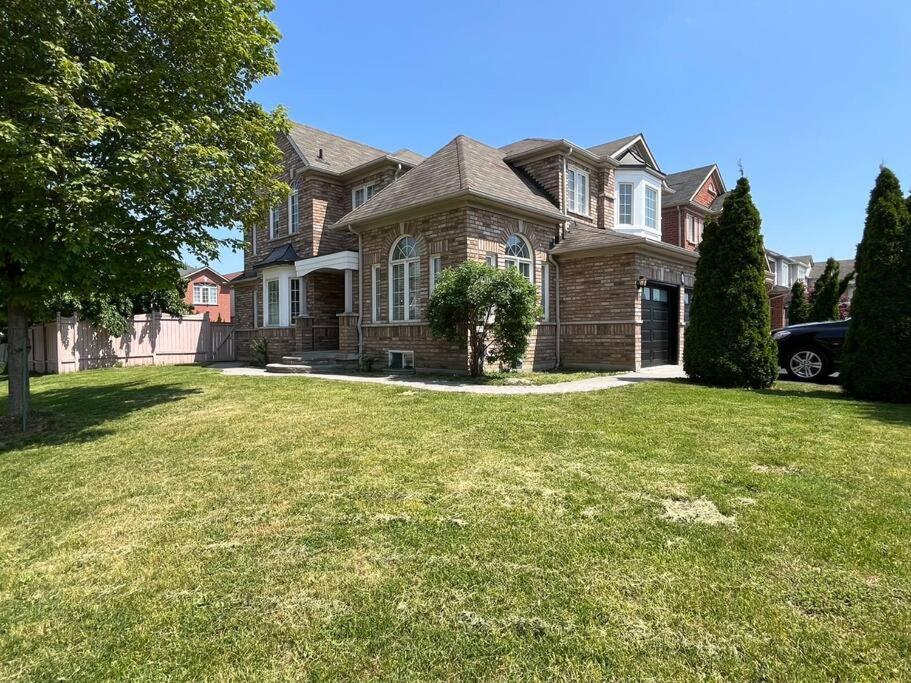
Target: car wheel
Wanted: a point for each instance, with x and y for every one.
(807, 365)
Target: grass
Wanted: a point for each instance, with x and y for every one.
(178, 524)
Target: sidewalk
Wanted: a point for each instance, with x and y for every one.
(455, 385)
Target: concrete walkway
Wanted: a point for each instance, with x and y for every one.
(454, 385)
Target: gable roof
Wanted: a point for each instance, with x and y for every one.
(462, 167)
(190, 272)
(609, 149)
(340, 155)
(527, 145)
(686, 184)
(845, 266)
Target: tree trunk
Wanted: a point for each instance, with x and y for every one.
(17, 363)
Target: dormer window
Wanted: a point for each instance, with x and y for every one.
(577, 191)
(361, 194)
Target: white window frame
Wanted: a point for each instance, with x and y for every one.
(369, 190)
(490, 259)
(573, 175)
(690, 228)
(620, 202)
(198, 288)
(274, 214)
(255, 308)
(405, 354)
(267, 308)
(301, 298)
(545, 290)
(649, 190)
(375, 290)
(415, 261)
(435, 267)
(293, 212)
(511, 261)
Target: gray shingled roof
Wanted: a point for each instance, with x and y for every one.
(581, 237)
(608, 149)
(718, 202)
(463, 166)
(340, 154)
(685, 184)
(527, 145)
(409, 155)
(845, 266)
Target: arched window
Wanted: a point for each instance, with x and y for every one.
(518, 255)
(404, 270)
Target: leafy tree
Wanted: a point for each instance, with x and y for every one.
(799, 308)
(492, 311)
(827, 292)
(728, 340)
(876, 360)
(126, 135)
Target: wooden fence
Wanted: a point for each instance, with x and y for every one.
(70, 345)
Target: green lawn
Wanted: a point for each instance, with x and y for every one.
(177, 524)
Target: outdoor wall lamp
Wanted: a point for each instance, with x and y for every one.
(640, 282)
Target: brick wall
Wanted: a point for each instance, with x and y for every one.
(704, 196)
(455, 235)
(600, 308)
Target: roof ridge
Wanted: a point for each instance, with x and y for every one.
(463, 180)
(340, 137)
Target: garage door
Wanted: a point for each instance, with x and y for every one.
(656, 326)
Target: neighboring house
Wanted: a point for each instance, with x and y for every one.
(208, 291)
(347, 264)
(696, 195)
(784, 271)
(845, 266)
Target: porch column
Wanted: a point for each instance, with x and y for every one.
(349, 290)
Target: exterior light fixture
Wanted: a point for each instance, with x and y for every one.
(640, 282)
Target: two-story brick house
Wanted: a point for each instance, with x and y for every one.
(348, 264)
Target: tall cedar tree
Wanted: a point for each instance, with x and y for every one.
(799, 308)
(876, 360)
(126, 135)
(728, 340)
(827, 292)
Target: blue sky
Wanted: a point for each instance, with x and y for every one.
(810, 96)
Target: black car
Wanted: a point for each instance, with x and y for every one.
(811, 351)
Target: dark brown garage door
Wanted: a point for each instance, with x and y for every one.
(656, 326)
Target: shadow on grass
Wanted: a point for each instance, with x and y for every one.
(75, 414)
(890, 413)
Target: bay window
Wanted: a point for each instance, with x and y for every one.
(625, 214)
(651, 207)
(273, 307)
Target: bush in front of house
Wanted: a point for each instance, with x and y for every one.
(492, 311)
(728, 340)
(876, 360)
(799, 308)
(259, 347)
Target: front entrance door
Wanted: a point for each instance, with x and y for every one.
(656, 326)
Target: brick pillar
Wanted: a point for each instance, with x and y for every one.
(304, 333)
(347, 332)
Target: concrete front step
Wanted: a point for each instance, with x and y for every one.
(320, 356)
(304, 368)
